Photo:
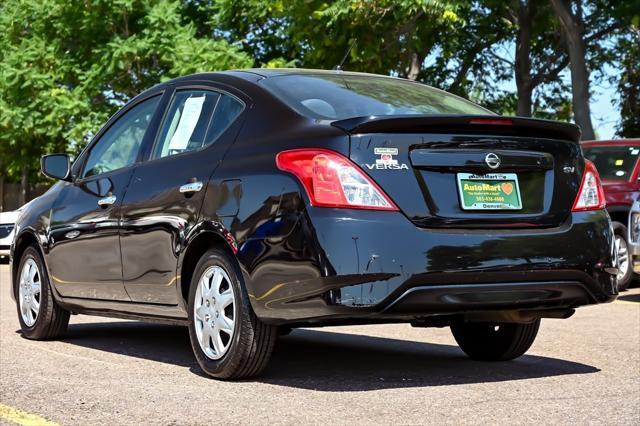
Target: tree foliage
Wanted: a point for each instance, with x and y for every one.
(66, 66)
(626, 52)
(472, 48)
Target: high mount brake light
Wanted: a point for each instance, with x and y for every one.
(332, 180)
(590, 195)
(493, 121)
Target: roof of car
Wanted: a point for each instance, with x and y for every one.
(274, 72)
(255, 74)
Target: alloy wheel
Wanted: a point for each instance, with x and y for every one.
(623, 257)
(29, 292)
(214, 312)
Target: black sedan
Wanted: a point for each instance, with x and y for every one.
(245, 203)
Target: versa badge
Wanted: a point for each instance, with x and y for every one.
(386, 160)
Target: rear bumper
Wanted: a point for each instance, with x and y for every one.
(481, 297)
(378, 265)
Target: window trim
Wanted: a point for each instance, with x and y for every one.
(86, 152)
(192, 87)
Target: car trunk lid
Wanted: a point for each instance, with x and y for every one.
(424, 162)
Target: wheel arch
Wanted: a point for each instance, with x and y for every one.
(619, 214)
(26, 239)
(196, 247)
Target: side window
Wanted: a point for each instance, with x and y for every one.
(195, 119)
(118, 147)
(227, 110)
(186, 123)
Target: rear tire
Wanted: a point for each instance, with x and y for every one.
(623, 279)
(41, 318)
(227, 338)
(495, 342)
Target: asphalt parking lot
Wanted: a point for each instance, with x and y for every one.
(585, 370)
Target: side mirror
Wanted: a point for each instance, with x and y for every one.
(56, 166)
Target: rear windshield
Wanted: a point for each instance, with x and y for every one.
(339, 96)
(613, 162)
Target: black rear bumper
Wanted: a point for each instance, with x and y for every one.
(363, 266)
(482, 297)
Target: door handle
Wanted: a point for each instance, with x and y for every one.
(107, 201)
(191, 187)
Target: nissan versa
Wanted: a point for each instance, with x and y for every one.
(245, 203)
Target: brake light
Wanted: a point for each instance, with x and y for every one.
(590, 195)
(332, 180)
(491, 121)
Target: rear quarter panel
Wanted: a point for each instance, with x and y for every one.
(257, 208)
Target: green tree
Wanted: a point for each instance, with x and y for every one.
(66, 66)
(35, 102)
(629, 89)
(474, 48)
(380, 36)
(627, 54)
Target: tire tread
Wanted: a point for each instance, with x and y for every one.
(621, 230)
(255, 342)
(514, 344)
(52, 321)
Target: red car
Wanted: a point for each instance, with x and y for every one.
(618, 165)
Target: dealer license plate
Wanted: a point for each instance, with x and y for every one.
(493, 191)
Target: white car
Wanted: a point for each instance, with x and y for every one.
(634, 236)
(7, 225)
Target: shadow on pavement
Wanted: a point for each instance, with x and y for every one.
(326, 361)
(633, 297)
(161, 343)
(329, 361)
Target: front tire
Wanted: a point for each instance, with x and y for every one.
(227, 338)
(495, 342)
(625, 274)
(40, 316)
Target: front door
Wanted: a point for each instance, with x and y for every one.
(84, 257)
(163, 201)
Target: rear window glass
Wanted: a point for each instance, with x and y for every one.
(341, 96)
(613, 162)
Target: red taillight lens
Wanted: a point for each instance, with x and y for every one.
(590, 195)
(332, 180)
(492, 121)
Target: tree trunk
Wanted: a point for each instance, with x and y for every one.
(24, 185)
(1, 192)
(573, 35)
(523, 59)
(1, 186)
(457, 86)
(414, 68)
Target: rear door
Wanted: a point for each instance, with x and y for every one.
(84, 248)
(162, 205)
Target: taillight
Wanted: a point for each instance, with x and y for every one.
(590, 195)
(332, 180)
